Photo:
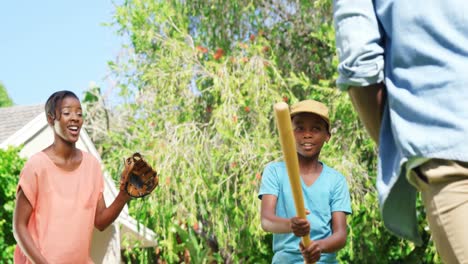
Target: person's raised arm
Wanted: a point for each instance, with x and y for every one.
(107, 215)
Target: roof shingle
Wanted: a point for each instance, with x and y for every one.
(15, 117)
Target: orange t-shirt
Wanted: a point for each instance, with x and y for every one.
(64, 206)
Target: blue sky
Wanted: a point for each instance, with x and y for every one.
(47, 45)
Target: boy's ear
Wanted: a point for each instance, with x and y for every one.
(328, 137)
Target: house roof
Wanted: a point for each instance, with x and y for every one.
(15, 117)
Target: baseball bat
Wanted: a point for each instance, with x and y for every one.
(283, 122)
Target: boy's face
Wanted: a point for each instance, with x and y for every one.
(69, 119)
(310, 132)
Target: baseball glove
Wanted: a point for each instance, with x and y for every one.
(138, 178)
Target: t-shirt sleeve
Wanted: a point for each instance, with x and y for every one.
(359, 44)
(28, 182)
(340, 200)
(269, 184)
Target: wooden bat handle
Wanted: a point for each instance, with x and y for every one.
(283, 122)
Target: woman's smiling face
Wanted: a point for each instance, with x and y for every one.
(69, 119)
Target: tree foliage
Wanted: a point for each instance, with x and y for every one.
(5, 99)
(10, 167)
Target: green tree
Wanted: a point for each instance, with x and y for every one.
(5, 99)
(10, 167)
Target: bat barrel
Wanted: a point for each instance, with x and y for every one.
(288, 145)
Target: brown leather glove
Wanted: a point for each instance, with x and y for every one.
(138, 178)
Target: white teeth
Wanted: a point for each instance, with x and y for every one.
(74, 128)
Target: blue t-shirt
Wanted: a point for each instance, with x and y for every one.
(329, 193)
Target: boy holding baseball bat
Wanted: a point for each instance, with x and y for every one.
(326, 195)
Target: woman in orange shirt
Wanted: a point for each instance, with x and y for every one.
(60, 193)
